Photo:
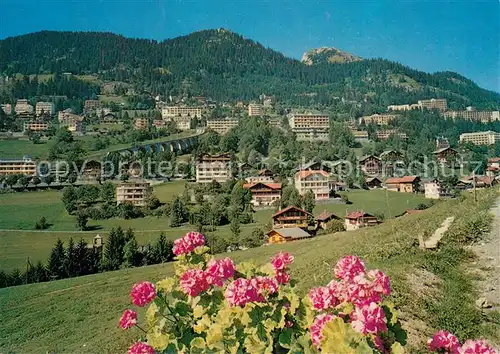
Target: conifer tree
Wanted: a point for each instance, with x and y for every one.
(82, 258)
(132, 255)
(57, 260)
(163, 249)
(113, 249)
(71, 264)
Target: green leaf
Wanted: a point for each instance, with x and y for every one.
(182, 309)
(285, 338)
(197, 346)
(397, 348)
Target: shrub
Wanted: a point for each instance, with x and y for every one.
(41, 224)
(335, 226)
(216, 306)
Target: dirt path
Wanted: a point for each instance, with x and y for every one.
(488, 263)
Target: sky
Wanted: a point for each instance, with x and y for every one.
(435, 35)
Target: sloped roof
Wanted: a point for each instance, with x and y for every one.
(305, 174)
(371, 179)
(367, 157)
(325, 216)
(289, 208)
(264, 171)
(405, 179)
(444, 149)
(357, 215)
(291, 232)
(494, 159)
(271, 185)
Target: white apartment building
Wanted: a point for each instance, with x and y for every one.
(309, 121)
(255, 109)
(168, 112)
(378, 119)
(222, 126)
(35, 126)
(480, 138)
(213, 168)
(316, 181)
(183, 123)
(135, 193)
(47, 108)
(481, 116)
(305, 134)
(22, 106)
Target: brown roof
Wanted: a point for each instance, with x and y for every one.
(357, 215)
(271, 185)
(289, 208)
(371, 179)
(444, 149)
(291, 232)
(405, 179)
(307, 173)
(325, 216)
(494, 159)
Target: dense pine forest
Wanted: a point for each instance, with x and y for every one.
(225, 66)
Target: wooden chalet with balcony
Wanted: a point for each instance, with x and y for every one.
(264, 193)
(291, 217)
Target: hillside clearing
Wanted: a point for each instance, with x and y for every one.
(81, 314)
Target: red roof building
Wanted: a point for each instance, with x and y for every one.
(291, 217)
(264, 193)
(406, 184)
(358, 219)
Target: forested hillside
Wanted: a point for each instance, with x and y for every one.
(225, 66)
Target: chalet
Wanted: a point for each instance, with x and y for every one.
(446, 155)
(109, 118)
(286, 235)
(291, 217)
(315, 166)
(434, 189)
(406, 184)
(264, 175)
(373, 182)
(92, 170)
(469, 182)
(264, 194)
(371, 165)
(359, 219)
(245, 169)
(324, 218)
(391, 155)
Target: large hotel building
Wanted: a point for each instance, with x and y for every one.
(23, 106)
(213, 168)
(35, 126)
(315, 181)
(255, 109)
(135, 193)
(222, 126)
(378, 119)
(168, 112)
(480, 138)
(433, 103)
(24, 166)
(481, 116)
(310, 127)
(46, 108)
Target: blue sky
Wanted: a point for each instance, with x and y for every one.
(435, 35)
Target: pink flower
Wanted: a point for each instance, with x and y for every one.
(266, 285)
(242, 291)
(348, 267)
(317, 327)
(281, 260)
(444, 341)
(323, 298)
(288, 323)
(193, 282)
(188, 243)
(128, 319)
(218, 271)
(143, 293)
(359, 290)
(380, 282)
(369, 319)
(477, 347)
(282, 276)
(141, 348)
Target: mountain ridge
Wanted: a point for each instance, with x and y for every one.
(225, 65)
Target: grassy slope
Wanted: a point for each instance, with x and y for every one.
(80, 315)
(22, 210)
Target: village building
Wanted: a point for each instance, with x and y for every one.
(135, 193)
(434, 103)
(45, 109)
(434, 189)
(316, 181)
(35, 126)
(91, 105)
(446, 155)
(23, 107)
(286, 235)
(316, 166)
(371, 165)
(359, 135)
(472, 114)
(92, 170)
(291, 217)
(183, 123)
(324, 218)
(442, 143)
(480, 138)
(24, 166)
(373, 182)
(493, 167)
(141, 123)
(213, 168)
(386, 134)
(264, 194)
(169, 112)
(378, 119)
(406, 184)
(7, 108)
(264, 175)
(359, 219)
(255, 109)
(222, 126)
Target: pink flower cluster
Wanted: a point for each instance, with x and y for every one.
(369, 319)
(193, 282)
(188, 243)
(219, 270)
(317, 328)
(143, 293)
(324, 297)
(241, 291)
(445, 342)
(265, 285)
(280, 263)
(128, 319)
(141, 348)
(349, 267)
